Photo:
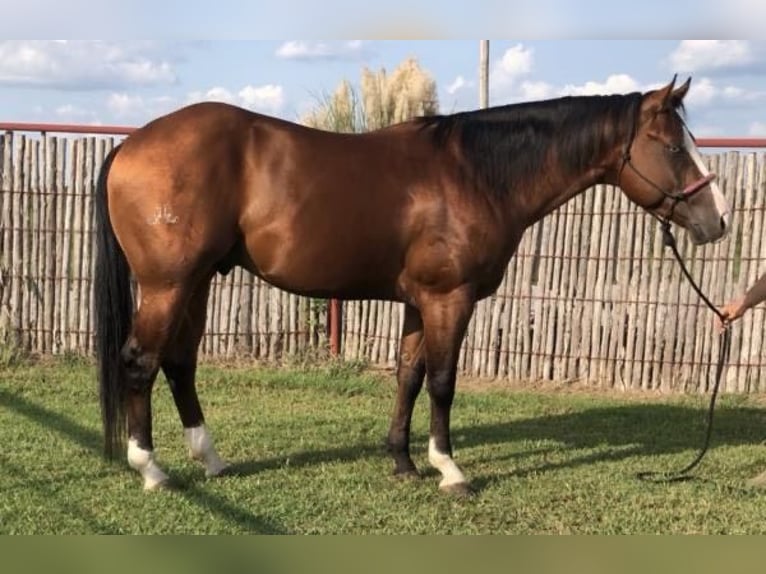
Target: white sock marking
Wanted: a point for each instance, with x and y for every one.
(143, 461)
(443, 463)
(201, 448)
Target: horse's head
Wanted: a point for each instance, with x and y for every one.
(661, 169)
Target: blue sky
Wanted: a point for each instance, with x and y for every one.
(129, 82)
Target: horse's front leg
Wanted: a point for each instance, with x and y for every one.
(410, 373)
(445, 317)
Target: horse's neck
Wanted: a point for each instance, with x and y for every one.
(548, 196)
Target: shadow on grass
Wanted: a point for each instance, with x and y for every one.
(619, 432)
(616, 432)
(91, 440)
(648, 429)
(307, 458)
(44, 417)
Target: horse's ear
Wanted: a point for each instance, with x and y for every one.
(677, 96)
(662, 98)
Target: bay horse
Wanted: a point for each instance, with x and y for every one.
(427, 212)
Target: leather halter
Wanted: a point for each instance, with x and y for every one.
(677, 196)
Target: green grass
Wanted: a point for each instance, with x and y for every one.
(307, 451)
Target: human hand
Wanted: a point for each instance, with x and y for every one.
(731, 312)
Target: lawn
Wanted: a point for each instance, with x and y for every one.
(308, 457)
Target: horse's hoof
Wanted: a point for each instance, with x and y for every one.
(758, 481)
(457, 490)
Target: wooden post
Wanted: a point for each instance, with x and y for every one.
(483, 73)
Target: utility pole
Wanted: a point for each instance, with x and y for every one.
(483, 73)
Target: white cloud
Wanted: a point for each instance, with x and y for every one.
(742, 96)
(293, 50)
(706, 92)
(269, 98)
(459, 83)
(537, 90)
(146, 72)
(82, 65)
(219, 94)
(519, 63)
(515, 63)
(136, 108)
(733, 92)
(298, 50)
(614, 84)
(711, 55)
(701, 93)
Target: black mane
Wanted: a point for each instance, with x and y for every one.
(508, 145)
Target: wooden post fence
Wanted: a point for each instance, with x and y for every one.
(590, 296)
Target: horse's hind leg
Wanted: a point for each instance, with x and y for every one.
(180, 365)
(410, 373)
(154, 324)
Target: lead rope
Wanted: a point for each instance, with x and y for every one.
(723, 356)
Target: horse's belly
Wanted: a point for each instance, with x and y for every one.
(323, 267)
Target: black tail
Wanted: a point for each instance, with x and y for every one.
(114, 308)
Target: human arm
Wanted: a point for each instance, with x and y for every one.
(737, 307)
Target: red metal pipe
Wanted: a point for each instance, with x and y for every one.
(731, 142)
(66, 128)
(336, 320)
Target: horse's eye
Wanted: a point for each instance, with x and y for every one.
(673, 148)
